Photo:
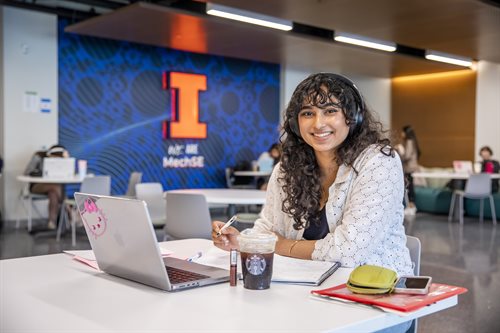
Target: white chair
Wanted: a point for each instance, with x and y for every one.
(152, 194)
(100, 185)
(188, 216)
(415, 247)
(134, 179)
(478, 187)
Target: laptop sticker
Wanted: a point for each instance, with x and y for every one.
(94, 218)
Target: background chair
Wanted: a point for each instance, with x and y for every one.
(415, 247)
(152, 194)
(100, 185)
(188, 216)
(478, 187)
(28, 200)
(135, 178)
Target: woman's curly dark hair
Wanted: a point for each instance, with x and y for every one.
(300, 170)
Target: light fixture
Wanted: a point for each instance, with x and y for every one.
(365, 41)
(448, 58)
(248, 17)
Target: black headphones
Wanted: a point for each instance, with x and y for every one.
(356, 111)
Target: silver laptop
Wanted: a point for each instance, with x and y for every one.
(58, 167)
(463, 167)
(124, 243)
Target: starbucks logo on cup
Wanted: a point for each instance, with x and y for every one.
(256, 264)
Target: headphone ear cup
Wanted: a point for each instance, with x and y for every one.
(294, 126)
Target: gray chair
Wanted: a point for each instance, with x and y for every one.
(415, 248)
(478, 187)
(134, 179)
(100, 185)
(152, 194)
(28, 200)
(188, 216)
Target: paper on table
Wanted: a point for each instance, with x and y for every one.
(88, 257)
(285, 269)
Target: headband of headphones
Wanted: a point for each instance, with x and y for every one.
(356, 110)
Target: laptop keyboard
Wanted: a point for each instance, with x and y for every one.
(177, 275)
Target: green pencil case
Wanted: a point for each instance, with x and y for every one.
(370, 279)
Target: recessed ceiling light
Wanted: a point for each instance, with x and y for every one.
(248, 17)
(365, 41)
(448, 58)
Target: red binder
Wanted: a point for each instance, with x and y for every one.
(399, 302)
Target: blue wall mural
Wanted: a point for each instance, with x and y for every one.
(112, 106)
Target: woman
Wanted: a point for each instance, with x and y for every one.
(337, 193)
(53, 191)
(489, 165)
(410, 153)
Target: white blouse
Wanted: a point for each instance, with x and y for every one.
(364, 213)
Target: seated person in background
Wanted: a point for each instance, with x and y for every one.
(264, 162)
(489, 165)
(337, 193)
(53, 191)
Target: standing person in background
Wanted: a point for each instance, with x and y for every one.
(53, 191)
(337, 192)
(410, 153)
(274, 154)
(489, 165)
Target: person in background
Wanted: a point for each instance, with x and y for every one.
(53, 191)
(489, 165)
(273, 154)
(410, 153)
(337, 192)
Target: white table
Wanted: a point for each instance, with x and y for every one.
(46, 180)
(253, 173)
(229, 196)
(448, 175)
(56, 294)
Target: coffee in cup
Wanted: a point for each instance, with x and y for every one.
(257, 253)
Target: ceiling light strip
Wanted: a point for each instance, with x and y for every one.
(448, 58)
(365, 42)
(248, 17)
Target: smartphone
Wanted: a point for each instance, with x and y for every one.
(413, 285)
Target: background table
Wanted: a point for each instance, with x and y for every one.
(229, 196)
(57, 294)
(252, 173)
(45, 180)
(448, 175)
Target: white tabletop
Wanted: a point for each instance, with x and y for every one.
(229, 196)
(57, 294)
(28, 179)
(448, 175)
(253, 173)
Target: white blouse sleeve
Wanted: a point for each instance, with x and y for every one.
(369, 214)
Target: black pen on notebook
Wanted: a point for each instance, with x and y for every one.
(227, 225)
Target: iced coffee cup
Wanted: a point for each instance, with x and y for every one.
(257, 252)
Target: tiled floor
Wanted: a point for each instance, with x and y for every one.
(465, 256)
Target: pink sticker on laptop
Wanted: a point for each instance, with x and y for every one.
(94, 218)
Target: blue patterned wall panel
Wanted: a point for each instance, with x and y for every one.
(112, 105)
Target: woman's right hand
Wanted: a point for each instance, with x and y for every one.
(227, 240)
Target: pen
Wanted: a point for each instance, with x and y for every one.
(196, 256)
(225, 226)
